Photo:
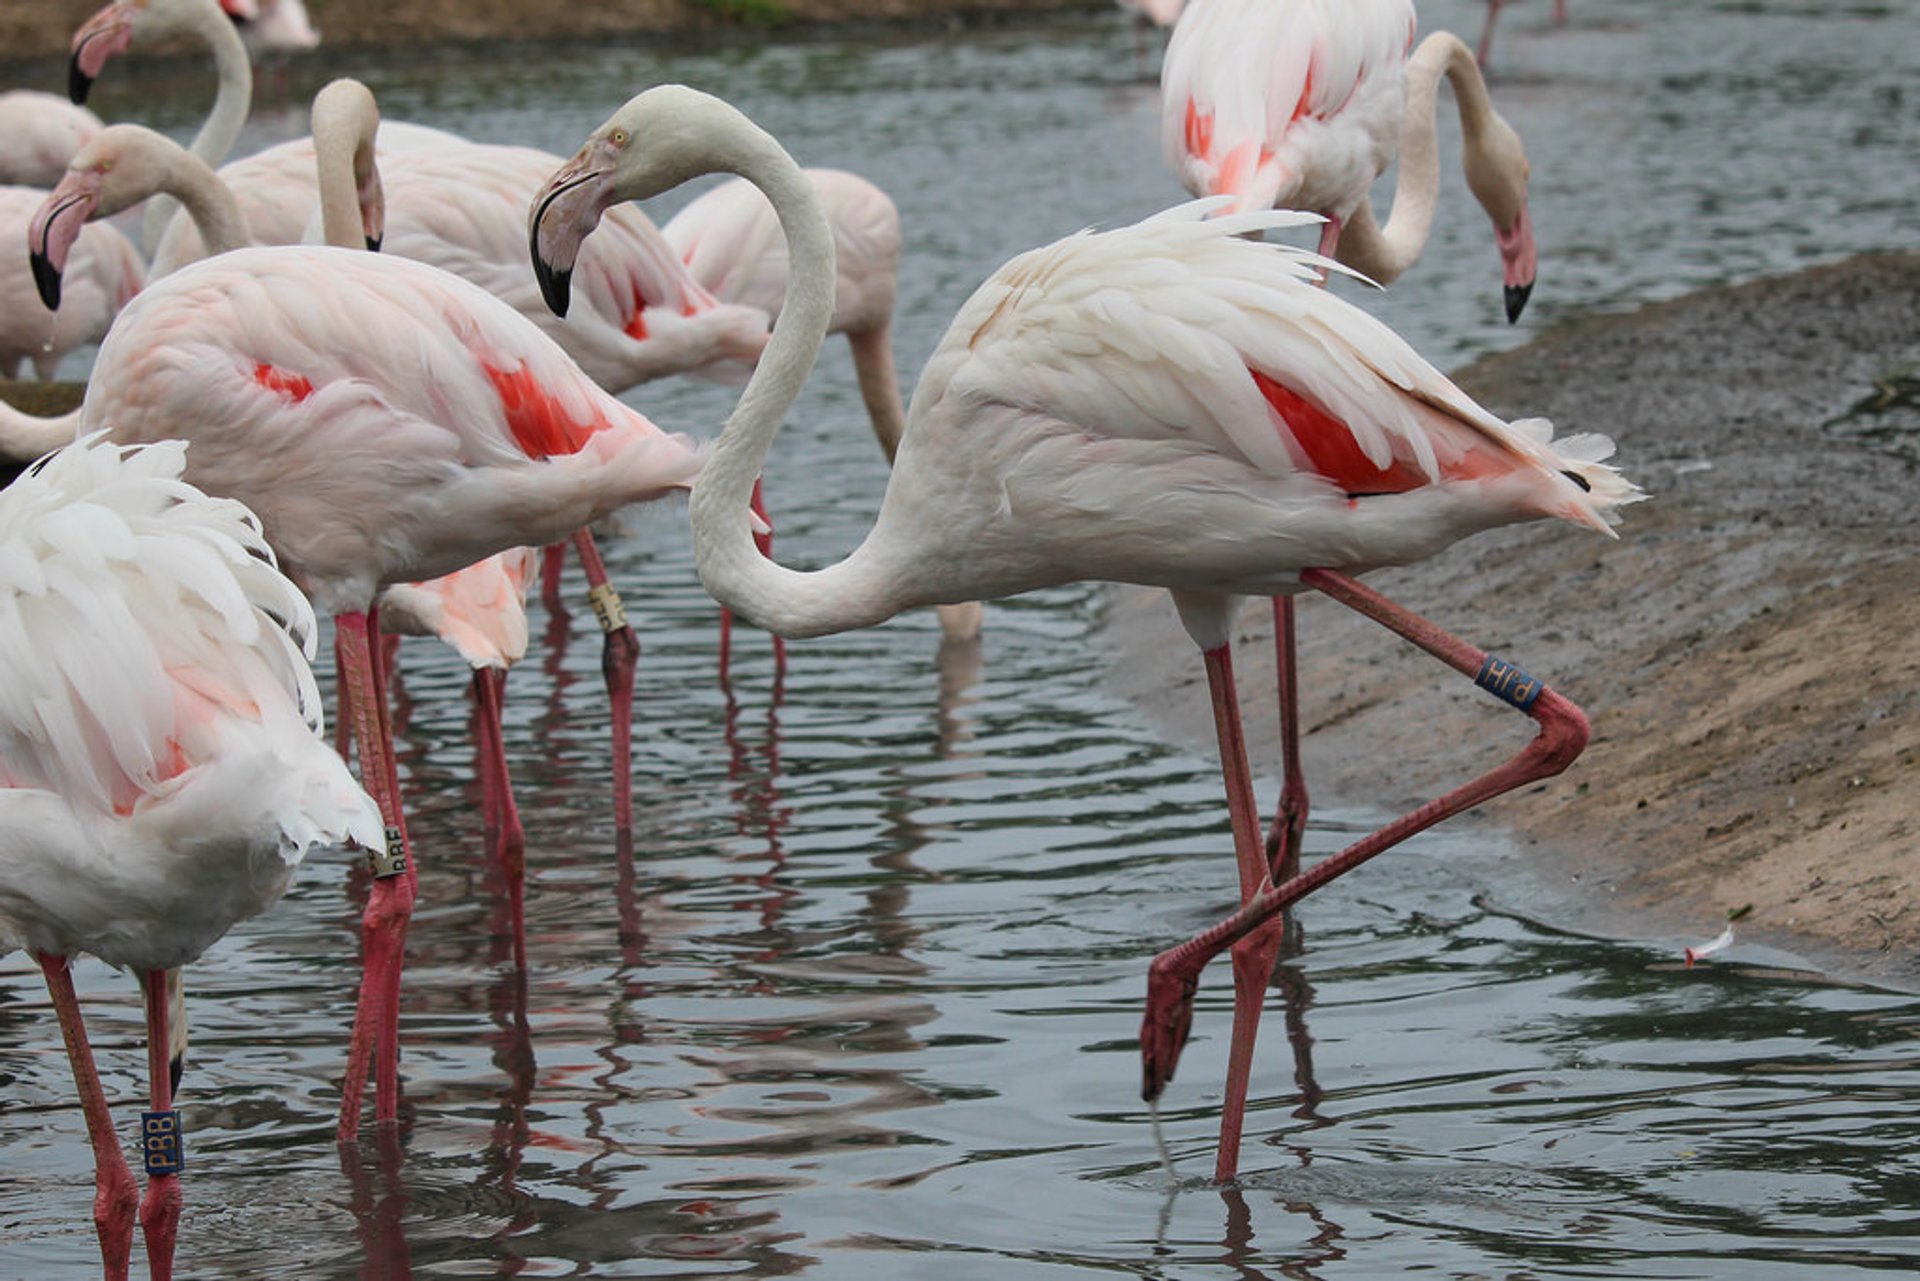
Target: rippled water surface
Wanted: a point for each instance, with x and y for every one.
(861, 999)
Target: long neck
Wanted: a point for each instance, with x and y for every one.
(879, 384)
(843, 596)
(1385, 252)
(208, 201)
(231, 102)
(345, 125)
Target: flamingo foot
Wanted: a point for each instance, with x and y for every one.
(1173, 980)
(376, 1020)
(160, 1224)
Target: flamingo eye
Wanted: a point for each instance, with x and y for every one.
(618, 137)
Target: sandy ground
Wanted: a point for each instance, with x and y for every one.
(1749, 651)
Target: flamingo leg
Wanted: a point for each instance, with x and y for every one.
(1486, 32)
(383, 928)
(1175, 974)
(552, 559)
(115, 1195)
(617, 657)
(160, 1208)
(1255, 952)
(502, 815)
(1290, 821)
(765, 543)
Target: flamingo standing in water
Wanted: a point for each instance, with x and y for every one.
(162, 767)
(1169, 404)
(730, 240)
(1302, 104)
(390, 423)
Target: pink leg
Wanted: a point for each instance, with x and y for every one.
(114, 1194)
(502, 815)
(552, 560)
(1560, 13)
(617, 657)
(342, 723)
(1175, 973)
(765, 543)
(160, 1209)
(1253, 955)
(383, 928)
(1486, 32)
(1290, 822)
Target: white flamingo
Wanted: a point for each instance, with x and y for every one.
(1168, 404)
(162, 766)
(39, 132)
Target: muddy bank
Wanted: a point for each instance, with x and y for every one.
(41, 28)
(1749, 651)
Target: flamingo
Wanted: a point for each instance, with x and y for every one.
(107, 272)
(389, 423)
(162, 767)
(1303, 103)
(731, 243)
(39, 132)
(1169, 404)
(1493, 15)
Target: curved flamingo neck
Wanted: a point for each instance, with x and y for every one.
(855, 592)
(208, 201)
(232, 99)
(24, 437)
(1385, 253)
(345, 124)
(879, 385)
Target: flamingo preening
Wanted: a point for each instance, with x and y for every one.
(162, 765)
(1170, 404)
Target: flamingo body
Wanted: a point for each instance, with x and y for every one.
(39, 132)
(388, 422)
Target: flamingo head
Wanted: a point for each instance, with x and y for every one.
(1497, 171)
(56, 226)
(106, 34)
(116, 169)
(658, 140)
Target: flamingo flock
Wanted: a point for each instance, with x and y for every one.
(368, 371)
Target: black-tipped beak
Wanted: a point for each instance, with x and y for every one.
(79, 83)
(555, 286)
(1517, 296)
(176, 1068)
(373, 244)
(46, 279)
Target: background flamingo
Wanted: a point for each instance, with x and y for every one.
(390, 423)
(162, 767)
(1167, 404)
(106, 272)
(39, 132)
(1485, 48)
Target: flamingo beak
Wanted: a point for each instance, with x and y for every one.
(55, 227)
(1518, 262)
(100, 38)
(564, 213)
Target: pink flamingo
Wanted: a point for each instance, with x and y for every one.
(1169, 404)
(39, 132)
(1493, 15)
(731, 243)
(162, 767)
(389, 423)
(106, 271)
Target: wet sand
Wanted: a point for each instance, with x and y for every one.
(1749, 651)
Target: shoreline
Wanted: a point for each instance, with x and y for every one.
(1746, 651)
(40, 29)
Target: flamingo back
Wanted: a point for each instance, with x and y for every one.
(1288, 102)
(160, 729)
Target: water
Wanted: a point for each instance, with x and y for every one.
(861, 1003)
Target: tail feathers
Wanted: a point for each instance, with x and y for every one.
(1581, 458)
